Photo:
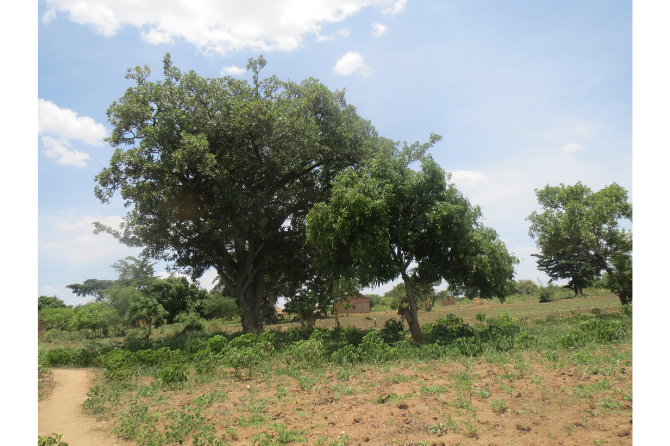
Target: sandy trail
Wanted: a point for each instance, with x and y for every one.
(62, 413)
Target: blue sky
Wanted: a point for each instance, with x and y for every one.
(524, 93)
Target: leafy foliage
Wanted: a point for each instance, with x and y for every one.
(49, 302)
(220, 172)
(385, 216)
(145, 311)
(579, 235)
(220, 306)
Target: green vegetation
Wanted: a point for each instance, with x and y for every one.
(140, 374)
(579, 236)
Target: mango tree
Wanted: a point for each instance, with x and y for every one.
(386, 220)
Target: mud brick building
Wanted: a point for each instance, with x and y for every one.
(353, 305)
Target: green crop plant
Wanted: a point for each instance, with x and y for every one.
(51, 440)
(499, 406)
(438, 429)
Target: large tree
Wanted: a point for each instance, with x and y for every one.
(221, 172)
(386, 220)
(578, 222)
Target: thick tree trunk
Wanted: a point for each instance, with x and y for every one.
(250, 304)
(411, 313)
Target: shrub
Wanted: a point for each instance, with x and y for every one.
(57, 319)
(119, 364)
(191, 321)
(447, 329)
(44, 302)
(221, 307)
(393, 331)
(87, 353)
(133, 344)
(546, 294)
(58, 357)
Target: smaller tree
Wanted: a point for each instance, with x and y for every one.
(134, 272)
(525, 286)
(57, 319)
(219, 306)
(145, 311)
(45, 302)
(576, 223)
(97, 317)
(176, 296)
(91, 287)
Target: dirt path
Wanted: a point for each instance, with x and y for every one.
(62, 413)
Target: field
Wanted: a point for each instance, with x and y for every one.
(516, 373)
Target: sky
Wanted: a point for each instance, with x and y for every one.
(524, 94)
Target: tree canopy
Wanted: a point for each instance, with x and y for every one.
(576, 223)
(221, 172)
(386, 220)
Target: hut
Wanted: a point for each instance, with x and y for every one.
(447, 301)
(353, 305)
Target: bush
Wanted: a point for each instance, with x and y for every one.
(546, 294)
(120, 365)
(221, 307)
(447, 329)
(192, 322)
(58, 357)
(393, 331)
(133, 344)
(85, 356)
(62, 319)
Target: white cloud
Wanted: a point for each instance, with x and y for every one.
(572, 147)
(64, 125)
(320, 38)
(344, 32)
(65, 156)
(233, 71)
(395, 8)
(379, 29)
(58, 126)
(70, 239)
(350, 63)
(466, 178)
(524, 252)
(223, 26)
(86, 240)
(46, 290)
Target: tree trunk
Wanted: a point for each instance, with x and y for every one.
(411, 313)
(250, 304)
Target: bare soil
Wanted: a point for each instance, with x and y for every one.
(406, 404)
(61, 412)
